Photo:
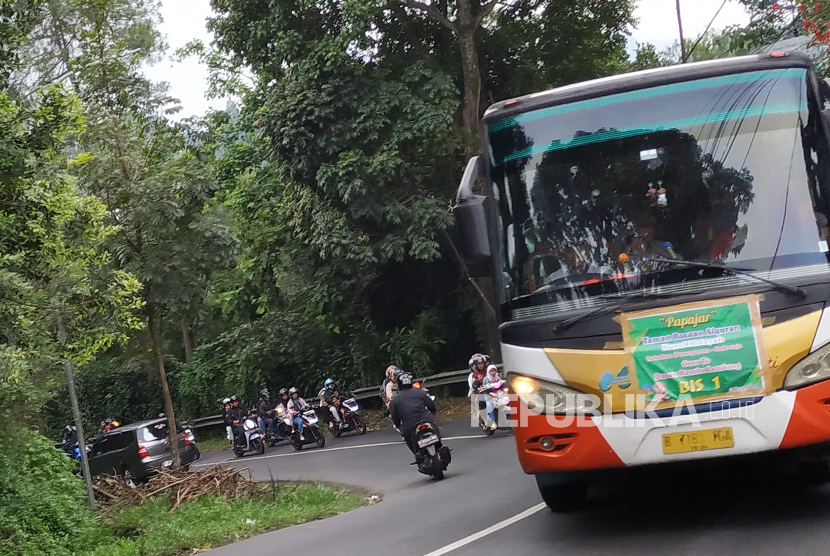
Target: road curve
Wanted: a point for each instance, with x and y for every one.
(486, 505)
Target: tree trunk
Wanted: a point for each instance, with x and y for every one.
(154, 323)
(188, 342)
(466, 34)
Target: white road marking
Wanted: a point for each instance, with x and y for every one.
(324, 450)
(498, 526)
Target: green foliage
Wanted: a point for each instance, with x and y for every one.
(41, 501)
(414, 348)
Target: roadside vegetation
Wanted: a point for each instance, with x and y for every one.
(211, 520)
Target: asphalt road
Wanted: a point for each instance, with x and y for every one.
(487, 505)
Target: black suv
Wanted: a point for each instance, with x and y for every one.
(137, 450)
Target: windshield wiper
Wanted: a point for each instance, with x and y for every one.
(606, 309)
(794, 291)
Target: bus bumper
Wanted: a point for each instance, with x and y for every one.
(779, 421)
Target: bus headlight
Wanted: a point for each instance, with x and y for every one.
(813, 368)
(544, 397)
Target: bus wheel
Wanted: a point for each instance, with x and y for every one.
(563, 497)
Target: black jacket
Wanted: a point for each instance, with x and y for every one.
(235, 414)
(264, 407)
(410, 408)
(69, 440)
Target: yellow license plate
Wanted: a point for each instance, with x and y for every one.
(696, 441)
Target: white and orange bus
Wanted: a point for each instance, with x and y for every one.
(659, 246)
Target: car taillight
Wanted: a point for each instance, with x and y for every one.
(142, 452)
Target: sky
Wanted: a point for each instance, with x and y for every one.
(184, 20)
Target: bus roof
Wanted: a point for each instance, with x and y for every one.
(642, 79)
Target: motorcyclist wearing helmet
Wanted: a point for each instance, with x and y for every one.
(235, 417)
(296, 405)
(226, 406)
(282, 426)
(330, 398)
(410, 408)
(475, 380)
(70, 438)
(284, 398)
(266, 412)
(107, 425)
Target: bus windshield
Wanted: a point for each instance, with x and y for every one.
(727, 170)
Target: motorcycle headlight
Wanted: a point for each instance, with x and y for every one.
(249, 425)
(544, 397)
(813, 368)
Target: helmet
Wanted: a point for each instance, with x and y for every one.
(293, 390)
(394, 373)
(404, 380)
(283, 392)
(389, 370)
(162, 416)
(265, 393)
(486, 359)
(68, 428)
(234, 399)
(476, 359)
(329, 383)
(226, 401)
(108, 420)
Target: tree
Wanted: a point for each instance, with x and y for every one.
(541, 37)
(155, 182)
(52, 265)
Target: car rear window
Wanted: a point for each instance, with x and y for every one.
(156, 432)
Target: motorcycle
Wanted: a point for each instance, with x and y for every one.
(433, 457)
(500, 398)
(253, 439)
(282, 431)
(310, 430)
(351, 419)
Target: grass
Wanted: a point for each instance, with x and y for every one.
(448, 409)
(151, 529)
(213, 443)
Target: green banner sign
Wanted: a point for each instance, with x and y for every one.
(697, 351)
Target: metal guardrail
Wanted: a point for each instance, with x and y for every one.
(441, 379)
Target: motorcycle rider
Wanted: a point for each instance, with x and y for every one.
(282, 427)
(70, 438)
(226, 406)
(492, 377)
(330, 398)
(410, 408)
(392, 385)
(235, 417)
(386, 379)
(475, 380)
(296, 405)
(267, 414)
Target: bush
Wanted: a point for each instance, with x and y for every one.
(42, 508)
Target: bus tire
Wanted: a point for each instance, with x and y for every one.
(563, 497)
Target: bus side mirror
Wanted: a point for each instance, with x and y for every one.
(471, 223)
